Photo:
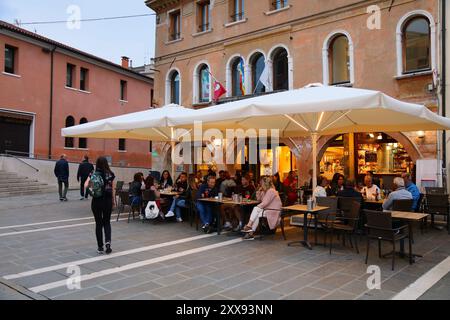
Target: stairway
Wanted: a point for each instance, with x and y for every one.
(12, 185)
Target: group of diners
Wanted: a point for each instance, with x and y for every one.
(172, 197)
(403, 189)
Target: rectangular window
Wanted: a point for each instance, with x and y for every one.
(237, 10)
(203, 15)
(69, 75)
(122, 145)
(175, 25)
(84, 79)
(279, 4)
(10, 59)
(123, 90)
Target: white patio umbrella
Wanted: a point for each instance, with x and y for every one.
(319, 110)
(151, 125)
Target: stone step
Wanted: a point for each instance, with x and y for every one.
(13, 189)
(20, 183)
(18, 194)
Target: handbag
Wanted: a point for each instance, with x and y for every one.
(264, 227)
(151, 210)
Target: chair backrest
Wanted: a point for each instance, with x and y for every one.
(429, 190)
(420, 202)
(437, 203)
(345, 204)
(330, 202)
(403, 205)
(125, 198)
(148, 195)
(353, 214)
(377, 220)
(119, 185)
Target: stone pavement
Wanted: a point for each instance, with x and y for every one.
(44, 237)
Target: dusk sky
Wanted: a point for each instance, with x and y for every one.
(110, 39)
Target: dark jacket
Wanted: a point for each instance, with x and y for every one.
(349, 193)
(206, 192)
(62, 170)
(84, 170)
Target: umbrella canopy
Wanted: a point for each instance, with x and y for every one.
(152, 124)
(323, 110)
(319, 110)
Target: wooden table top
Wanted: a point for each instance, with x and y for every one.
(410, 216)
(169, 193)
(304, 208)
(374, 201)
(230, 201)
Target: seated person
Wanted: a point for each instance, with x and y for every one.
(370, 191)
(290, 187)
(349, 191)
(135, 191)
(228, 185)
(337, 184)
(205, 210)
(236, 212)
(166, 180)
(411, 187)
(270, 207)
(321, 189)
(150, 185)
(179, 200)
(399, 193)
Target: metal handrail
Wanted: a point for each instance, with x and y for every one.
(20, 159)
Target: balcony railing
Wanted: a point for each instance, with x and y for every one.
(248, 96)
(237, 17)
(203, 27)
(279, 4)
(175, 36)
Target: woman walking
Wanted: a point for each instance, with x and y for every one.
(101, 183)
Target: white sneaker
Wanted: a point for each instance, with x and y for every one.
(170, 214)
(179, 220)
(227, 225)
(141, 217)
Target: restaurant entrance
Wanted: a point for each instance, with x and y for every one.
(355, 155)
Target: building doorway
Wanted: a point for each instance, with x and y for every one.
(15, 134)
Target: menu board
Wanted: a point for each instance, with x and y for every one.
(371, 157)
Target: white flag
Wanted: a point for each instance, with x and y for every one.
(265, 77)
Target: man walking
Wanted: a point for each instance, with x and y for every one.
(62, 174)
(84, 171)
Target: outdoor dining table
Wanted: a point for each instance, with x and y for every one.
(409, 218)
(228, 201)
(169, 193)
(295, 209)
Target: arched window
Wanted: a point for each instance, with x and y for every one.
(416, 45)
(280, 70)
(69, 142)
(175, 88)
(258, 64)
(339, 60)
(204, 84)
(82, 142)
(237, 77)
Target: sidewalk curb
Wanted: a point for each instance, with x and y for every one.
(22, 290)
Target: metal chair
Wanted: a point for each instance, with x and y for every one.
(125, 201)
(437, 204)
(434, 191)
(403, 205)
(119, 187)
(379, 227)
(345, 206)
(346, 225)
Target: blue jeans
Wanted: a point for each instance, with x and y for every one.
(176, 206)
(205, 212)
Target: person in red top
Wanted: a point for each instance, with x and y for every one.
(290, 184)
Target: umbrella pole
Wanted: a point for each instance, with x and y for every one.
(314, 156)
(172, 144)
